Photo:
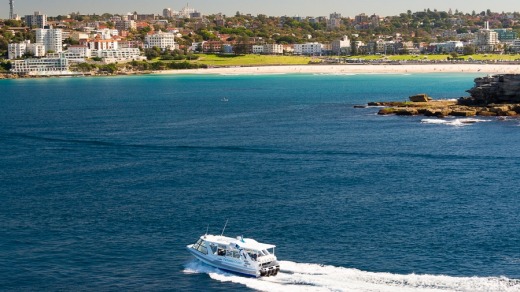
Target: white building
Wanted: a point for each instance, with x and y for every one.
(486, 40)
(119, 55)
(43, 66)
(341, 46)
(273, 49)
(99, 43)
(82, 51)
(52, 39)
(308, 49)
(17, 50)
(163, 40)
(257, 49)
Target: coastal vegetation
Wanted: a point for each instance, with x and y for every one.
(132, 67)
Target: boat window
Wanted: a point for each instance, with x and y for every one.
(252, 255)
(203, 249)
(200, 245)
(213, 248)
(233, 254)
(221, 251)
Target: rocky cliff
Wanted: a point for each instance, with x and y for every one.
(496, 89)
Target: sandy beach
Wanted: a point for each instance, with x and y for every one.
(357, 69)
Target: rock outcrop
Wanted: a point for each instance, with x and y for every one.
(497, 89)
(497, 95)
(423, 97)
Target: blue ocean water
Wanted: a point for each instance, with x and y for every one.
(104, 181)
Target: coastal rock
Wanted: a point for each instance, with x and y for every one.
(437, 112)
(386, 111)
(407, 112)
(486, 113)
(423, 97)
(464, 113)
(492, 96)
(495, 89)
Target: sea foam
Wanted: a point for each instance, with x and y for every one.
(454, 122)
(313, 277)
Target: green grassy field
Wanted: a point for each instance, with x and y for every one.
(250, 60)
(476, 57)
(213, 60)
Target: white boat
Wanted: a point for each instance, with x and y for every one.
(239, 255)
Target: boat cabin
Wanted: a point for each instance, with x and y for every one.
(232, 248)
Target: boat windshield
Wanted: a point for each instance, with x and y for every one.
(200, 245)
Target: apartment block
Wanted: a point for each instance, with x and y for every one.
(36, 20)
(52, 39)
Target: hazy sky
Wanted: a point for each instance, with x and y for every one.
(269, 7)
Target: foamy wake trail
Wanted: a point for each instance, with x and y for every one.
(312, 277)
(454, 122)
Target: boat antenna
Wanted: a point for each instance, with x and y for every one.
(224, 227)
(207, 229)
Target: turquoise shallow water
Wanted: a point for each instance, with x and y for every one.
(104, 181)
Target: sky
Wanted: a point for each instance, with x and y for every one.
(347, 8)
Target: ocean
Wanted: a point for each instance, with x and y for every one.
(104, 181)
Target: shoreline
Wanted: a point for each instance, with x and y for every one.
(343, 69)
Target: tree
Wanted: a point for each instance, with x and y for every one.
(241, 46)
(152, 53)
(6, 66)
(469, 50)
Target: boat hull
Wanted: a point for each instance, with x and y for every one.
(218, 263)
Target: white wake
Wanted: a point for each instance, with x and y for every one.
(312, 277)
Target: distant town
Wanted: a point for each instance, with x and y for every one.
(42, 45)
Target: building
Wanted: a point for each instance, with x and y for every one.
(36, 20)
(16, 50)
(162, 40)
(257, 49)
(273, 49)
(82, 51)
(506, 35)
(125, 25)
(375, 20)
(334, 22)
(341, 46)
(486, 40)
(52, 39)
(98, 43)
(515, 46)
(186, 12)
(119, 55)
(212, 46)
(42, 66)
(167, 13)
(361, 18)
(308, 49)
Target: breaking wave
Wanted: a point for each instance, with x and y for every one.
(312, 277)
(453, 122)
